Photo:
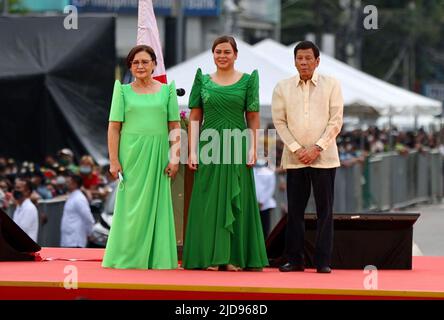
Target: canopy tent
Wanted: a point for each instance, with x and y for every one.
(56, 85)
(359, 88)
(364, 95)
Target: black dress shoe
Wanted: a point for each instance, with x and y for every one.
(291, 267)
(323, 270)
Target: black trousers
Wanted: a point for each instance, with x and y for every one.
(299, 182)
(265, 219)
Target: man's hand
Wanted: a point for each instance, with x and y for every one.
(308, 155)
(300, 152)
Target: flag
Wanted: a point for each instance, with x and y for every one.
(148, 34)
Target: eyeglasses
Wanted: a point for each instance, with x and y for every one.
(135, 63)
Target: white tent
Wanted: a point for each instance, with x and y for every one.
(359, 88)
(362, 92)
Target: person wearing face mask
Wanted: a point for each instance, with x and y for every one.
(224, 230)
(59, 184)
(25, 215)
(38, 182)
(66, 160)
(89, 176)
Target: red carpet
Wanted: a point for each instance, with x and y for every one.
(45, 280)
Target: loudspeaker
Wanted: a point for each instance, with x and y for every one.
(383, 240)
(15, 244)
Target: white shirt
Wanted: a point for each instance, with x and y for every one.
(26, 217)
(265, 181)
(308, 113)
(77, 221)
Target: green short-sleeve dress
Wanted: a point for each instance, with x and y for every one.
(142, 234)
(224, 225)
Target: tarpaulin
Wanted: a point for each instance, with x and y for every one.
(55, 85)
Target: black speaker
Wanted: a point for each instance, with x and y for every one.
(383, 240)
(15, 244)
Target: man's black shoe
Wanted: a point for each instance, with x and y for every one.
(291, 267)
(323, 270)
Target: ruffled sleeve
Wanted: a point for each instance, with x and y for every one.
(195, 95)
(252, 103)
(117, 112)
(173, 105)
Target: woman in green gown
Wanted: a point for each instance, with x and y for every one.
(224, 228)
(142, 234)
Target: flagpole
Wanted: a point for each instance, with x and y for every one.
(178, 13)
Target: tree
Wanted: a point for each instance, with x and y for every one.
(14, 6)
(405, 49)
(300, 17)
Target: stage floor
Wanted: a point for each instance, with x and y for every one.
(50, 280)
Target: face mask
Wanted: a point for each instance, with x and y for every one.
(60, 180)
(85, 170)
(64, 162)
(17, 194)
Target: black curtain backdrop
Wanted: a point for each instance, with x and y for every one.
(55, 85)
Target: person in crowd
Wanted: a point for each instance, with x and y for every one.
(90, 177)
(66, 160)
(142, 234)
(38, 182)
(77, 219)
(265, 182)
(224, 229)
(6, 198)
(26, 215)
(307, 111)
(87, 171)
(59, 183)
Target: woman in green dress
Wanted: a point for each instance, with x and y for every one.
(142, 234)
(224, 228)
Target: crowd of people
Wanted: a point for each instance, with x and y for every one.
(355, 145)
(23, 185)
(49, 178)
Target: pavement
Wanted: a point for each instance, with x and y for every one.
(428, 231)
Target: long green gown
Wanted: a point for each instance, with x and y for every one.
(224, 225)
(142, 234)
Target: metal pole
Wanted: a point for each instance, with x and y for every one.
(5, 7)
(178, 13)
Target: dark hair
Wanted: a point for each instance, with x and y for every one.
(28, 184)
(225, 39)
(307, 45)
(136, 50)
(77, 179)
